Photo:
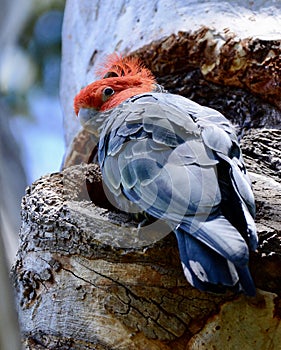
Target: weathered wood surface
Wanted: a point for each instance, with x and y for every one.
(78, 285)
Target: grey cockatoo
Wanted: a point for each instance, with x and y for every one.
(179, 162)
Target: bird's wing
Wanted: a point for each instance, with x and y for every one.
(181, 162)
(153, 154)
(168, 120)
(219, 135)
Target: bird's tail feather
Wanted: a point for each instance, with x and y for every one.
(208, 270)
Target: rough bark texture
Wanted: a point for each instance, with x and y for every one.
(79, 286)
(74, 291)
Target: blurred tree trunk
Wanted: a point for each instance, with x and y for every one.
(78, 285)
(12, 183)
(9, 331)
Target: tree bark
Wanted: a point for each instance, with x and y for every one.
(78, 288)
(84, 278)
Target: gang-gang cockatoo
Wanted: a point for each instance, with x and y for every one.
(176, 161)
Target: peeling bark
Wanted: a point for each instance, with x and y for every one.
(252, 64)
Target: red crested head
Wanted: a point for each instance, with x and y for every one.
(121, 78)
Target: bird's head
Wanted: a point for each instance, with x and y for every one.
(121, 79)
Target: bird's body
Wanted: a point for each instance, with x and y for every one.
(179, 162)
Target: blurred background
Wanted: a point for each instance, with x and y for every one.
(31, 133)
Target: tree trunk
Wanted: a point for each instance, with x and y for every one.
(84, 278)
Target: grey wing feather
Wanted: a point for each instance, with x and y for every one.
(181, 162)
(190, 133)
(172, 147)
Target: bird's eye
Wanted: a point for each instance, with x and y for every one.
(107, 92)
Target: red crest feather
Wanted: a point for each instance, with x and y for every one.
(118, 66)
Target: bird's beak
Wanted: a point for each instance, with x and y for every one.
(87, 118)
